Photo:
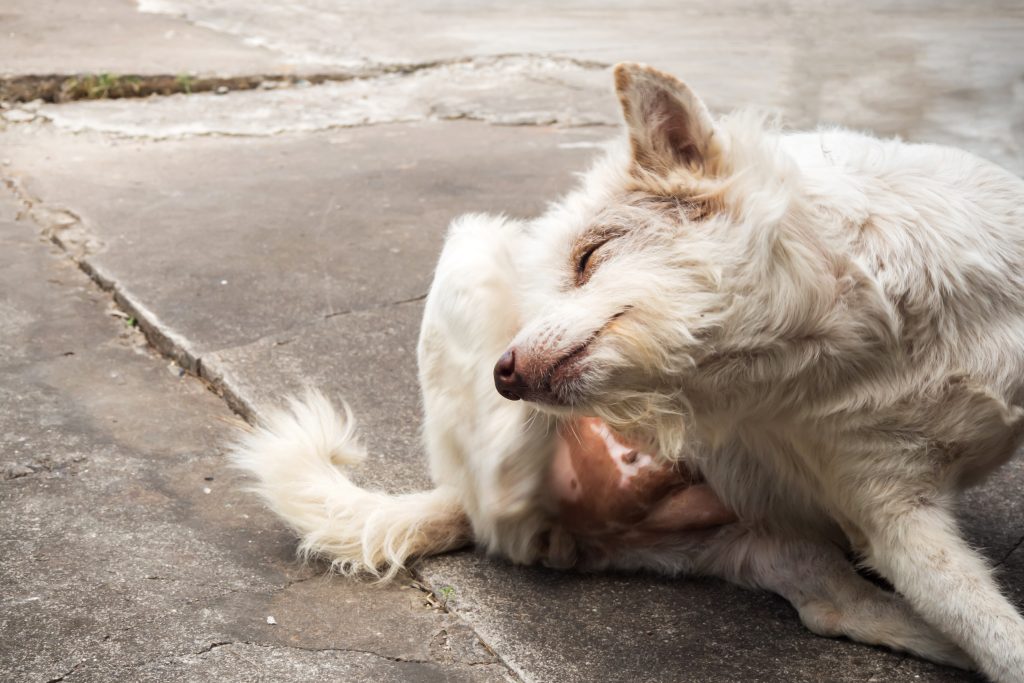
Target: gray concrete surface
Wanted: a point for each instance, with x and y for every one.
(275, 238)
(113, 36)
(129, 550)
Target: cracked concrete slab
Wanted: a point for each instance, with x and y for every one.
(128, 547)
(947, 73)
(113, 36)
(942, 72)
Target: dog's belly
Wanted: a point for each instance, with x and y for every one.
(607, 488)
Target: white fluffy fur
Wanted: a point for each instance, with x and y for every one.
(831, 326)
(295, 456)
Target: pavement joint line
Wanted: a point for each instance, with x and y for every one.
(159, 336)
(171, 345)
(58, 88)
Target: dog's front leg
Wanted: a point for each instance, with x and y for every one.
(920, 550)
(830, 597)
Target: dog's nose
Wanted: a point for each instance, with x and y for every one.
(507, 381)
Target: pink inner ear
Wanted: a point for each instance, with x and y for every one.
(669, 126)
(602, 493)
(692, 508)
(671, 129)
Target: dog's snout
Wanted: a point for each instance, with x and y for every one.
(507, 381)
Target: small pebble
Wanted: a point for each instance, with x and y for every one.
(19, 116)
(207, 489)
(272, 621)
(222, 90)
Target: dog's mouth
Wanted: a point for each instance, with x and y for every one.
(569, 367)
(561, 384)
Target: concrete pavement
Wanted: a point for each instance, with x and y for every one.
(268, 239)
(130, 551)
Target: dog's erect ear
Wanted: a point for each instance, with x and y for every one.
(669, 126)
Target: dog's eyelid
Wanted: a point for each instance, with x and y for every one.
(599, 239)
(581, 266)
(586, 260)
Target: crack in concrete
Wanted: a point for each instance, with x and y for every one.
(60, 88)
(267, 591)
(67, 673)
(1020, 541)
(159, 336)
(363, 309)
(36, 466)
(272, 646)
(57, 88)
(59, 224)
(212, 646)
(455, 89)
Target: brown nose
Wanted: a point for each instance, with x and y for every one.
(507, 381)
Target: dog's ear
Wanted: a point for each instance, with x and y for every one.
(669, 126)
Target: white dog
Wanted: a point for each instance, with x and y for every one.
(825, 330)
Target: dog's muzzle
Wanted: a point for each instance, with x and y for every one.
(520, 376)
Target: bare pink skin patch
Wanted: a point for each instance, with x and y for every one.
(606, 487)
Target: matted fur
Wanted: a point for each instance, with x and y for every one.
(829, 325)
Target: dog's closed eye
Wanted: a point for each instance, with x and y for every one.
(587, 262)
(584, 264)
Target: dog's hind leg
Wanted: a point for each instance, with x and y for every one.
(920, 550)
(831, 598)
(834, 600)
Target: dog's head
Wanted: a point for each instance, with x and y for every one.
(625, 292)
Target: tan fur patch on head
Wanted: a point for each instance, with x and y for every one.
(634, 211)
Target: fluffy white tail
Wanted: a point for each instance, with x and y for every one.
(296, 456)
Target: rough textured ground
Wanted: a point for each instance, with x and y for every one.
(129, 550)
(284, 236)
